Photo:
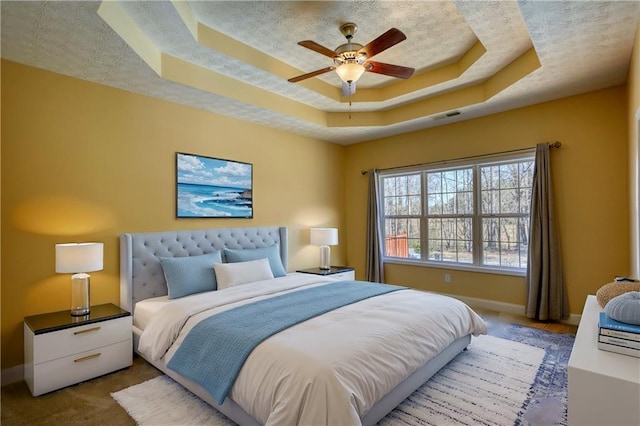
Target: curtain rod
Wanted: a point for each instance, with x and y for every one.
(556, 144)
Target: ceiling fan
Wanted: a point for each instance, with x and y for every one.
(351, 60)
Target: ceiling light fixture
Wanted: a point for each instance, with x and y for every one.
(351, 60)
(350, 71)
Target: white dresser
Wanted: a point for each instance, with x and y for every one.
(60, 350)
(604, 387)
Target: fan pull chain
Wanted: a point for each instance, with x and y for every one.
(349, 100)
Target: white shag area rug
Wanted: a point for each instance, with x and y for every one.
(487, 384)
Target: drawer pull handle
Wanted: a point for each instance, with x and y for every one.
(86, 330)
(88, 357)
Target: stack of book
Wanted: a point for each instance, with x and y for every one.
(620, 337)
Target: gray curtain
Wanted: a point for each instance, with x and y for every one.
(546, 299)
(375, 264)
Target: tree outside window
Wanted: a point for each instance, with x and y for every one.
(432, 215)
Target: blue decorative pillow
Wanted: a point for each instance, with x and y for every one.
(625, 308)
(190, 274)
(272, 253)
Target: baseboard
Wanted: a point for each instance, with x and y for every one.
(507, 308)
(574, 319)
(12, 375)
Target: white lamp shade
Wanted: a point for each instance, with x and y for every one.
(324, 236)
(350, 71)
(79, 257)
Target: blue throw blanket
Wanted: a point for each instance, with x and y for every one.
(215, 350)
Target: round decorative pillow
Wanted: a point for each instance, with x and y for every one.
(611, 290)
(625, 308)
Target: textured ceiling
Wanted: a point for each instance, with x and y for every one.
(234, 58)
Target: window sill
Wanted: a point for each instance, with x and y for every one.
(457, 267)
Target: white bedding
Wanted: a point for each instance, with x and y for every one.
(332, 368)
(146, 309)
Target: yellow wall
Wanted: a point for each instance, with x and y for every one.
(85, 162)
(81, 162)
(590, 177)
(633, 91)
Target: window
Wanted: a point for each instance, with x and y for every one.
(474, 215)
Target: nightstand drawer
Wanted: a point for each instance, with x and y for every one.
(70, 341)
(66, 371)
(343, 276)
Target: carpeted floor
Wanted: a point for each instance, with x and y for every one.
(90, 403)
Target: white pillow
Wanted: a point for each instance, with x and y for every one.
(231, 274)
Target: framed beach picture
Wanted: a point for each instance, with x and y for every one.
(213, 187)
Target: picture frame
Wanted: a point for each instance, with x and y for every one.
(208, 187)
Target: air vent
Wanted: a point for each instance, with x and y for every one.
(447, 115)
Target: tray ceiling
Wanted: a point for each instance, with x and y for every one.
(234, 58)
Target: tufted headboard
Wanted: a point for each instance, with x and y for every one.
(141, 275)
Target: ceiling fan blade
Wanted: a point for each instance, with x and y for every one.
(309, 44)
(383, 42)
(310, 74)
(348, 88)
(388, 69)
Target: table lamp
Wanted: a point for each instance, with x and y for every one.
(78, 259)
(324, 237)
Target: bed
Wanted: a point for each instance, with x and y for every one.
(340, 367)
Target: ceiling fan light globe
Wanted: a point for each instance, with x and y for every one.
(350, 71)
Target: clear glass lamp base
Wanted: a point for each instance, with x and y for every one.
(80, 294)
(325, 257)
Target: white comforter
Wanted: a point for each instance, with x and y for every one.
(332, 368)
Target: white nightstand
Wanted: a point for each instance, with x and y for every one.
(337, 272)
(60, 350)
